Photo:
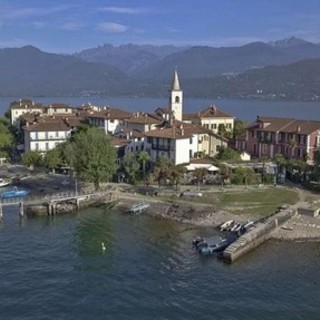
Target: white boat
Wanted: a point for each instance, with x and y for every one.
(227, 225)
(4, 183)
(236, 228)
(248, 225)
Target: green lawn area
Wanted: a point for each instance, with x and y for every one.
(257, 202)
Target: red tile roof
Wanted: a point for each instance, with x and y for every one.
(54, 123)
(145, 118)
(110, 113)
(286, 125)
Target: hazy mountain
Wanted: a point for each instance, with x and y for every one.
(297, 81)
(207, 61)
(29, 71)
(129, 58)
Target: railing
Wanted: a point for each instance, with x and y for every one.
(33, 199)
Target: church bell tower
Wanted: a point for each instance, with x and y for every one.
(176, 97)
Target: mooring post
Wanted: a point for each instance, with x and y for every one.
(1, 214)
(21, 213)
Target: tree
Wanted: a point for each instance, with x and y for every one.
(239, 128)
(228, 154)
(162, 170)
(199, 174)
(92, 156)
(264, 160)
(31, 158)
(177, 174)
(224, 173)
(143, 157)
(131, 167)
(53, 159)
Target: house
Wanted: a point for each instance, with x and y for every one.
(111, 120)
(143, 121)
(211, 118)
(46, 132)
(23, 106)
(293, 138)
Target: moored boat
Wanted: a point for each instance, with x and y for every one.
(4, 183)
(227, 225)
(15, 192)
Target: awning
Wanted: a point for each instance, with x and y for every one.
(194, 166)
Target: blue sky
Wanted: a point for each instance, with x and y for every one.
(73, 25)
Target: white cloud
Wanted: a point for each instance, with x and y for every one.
(124, 10)
(111, 27)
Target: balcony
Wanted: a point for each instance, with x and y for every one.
(162, 147)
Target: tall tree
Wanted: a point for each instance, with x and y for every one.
(31, 158)
(143, 157)
(93, 156)
(53, 159)
(131, 167)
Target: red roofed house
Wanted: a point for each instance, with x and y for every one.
(111, 120)
(293, 138)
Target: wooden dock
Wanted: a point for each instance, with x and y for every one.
(139, 207)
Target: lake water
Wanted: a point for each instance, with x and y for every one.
(54, 268)
(242, 109)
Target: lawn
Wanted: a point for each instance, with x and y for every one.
(257, 202)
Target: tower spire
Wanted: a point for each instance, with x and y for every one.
(175, 82)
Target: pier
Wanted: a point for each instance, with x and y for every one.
(257, 235)
(139, 207)
(49, 204)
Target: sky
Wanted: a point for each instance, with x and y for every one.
(68, 26)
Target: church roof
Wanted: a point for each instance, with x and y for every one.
(175, 82)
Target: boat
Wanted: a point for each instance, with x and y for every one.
(4, 183)
(227, 225)
(236, 228)
(15, 192)
(248, 225)
(218, 246)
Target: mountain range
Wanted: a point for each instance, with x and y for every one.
(284, 69)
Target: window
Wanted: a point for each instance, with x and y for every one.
(264, 148)
(190, 140)
(111, 120)
(212, 126)
(47, 145)
(37, 146)
(190, 153)
(57, 134)
(46, 135)
(137, 148)
(66, 110)
(177, 99)
(215, 126)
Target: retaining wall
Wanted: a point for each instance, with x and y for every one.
(256, 236)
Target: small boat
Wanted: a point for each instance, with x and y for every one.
(4, 183)
(218, 246)
(236, 228)
(248, 225)
(227, 225)
(15, 192)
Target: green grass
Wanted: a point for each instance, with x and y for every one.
(258, 203)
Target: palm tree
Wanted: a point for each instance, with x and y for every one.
(143, 157)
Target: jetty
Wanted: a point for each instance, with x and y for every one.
(257, 235)
(53, 203)
(139, 207)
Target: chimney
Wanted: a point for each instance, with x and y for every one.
(182, 129)
(298, 129)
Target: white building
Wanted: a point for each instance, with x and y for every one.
(176, 98)
(47, 132)
(111, 120)
(211, 118)
(23, 106)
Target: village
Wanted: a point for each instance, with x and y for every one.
(192, 142)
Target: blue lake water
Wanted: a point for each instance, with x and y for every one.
(242, 109)
(55, 268)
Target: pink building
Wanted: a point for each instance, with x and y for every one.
(293, 138)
